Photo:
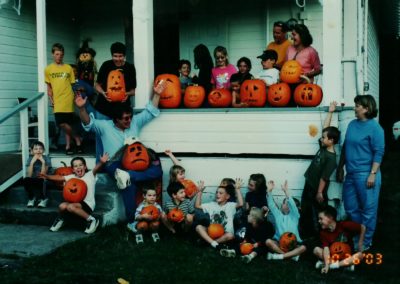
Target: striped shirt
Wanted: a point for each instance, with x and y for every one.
(186, 206)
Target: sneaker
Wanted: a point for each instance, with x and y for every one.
(131, 227)
(31, 203)
(79, 149)
(123, 178)
(349, 268)
(58, 223)
(246, 258)
(155, 237)
(319, 264)
(69, 151)
(91, 226)
(43, 203)
(227, 252)
(296, 258)
(270, 256)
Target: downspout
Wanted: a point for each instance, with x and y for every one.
(365, 86)
(360, 49)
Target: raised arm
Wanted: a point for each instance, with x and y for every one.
(198, 197)
(53, 177)
(157, 92)
(239, 197)
(331, 110)
(80, 103)
(100, 164)
(169, 153)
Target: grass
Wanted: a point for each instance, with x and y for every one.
(112, 253)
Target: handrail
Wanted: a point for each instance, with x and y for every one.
(20, 107)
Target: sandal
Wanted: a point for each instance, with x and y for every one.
(69, 151)
(79, 149)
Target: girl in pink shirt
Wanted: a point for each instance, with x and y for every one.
(223, 71)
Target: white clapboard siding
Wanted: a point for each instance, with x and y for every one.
(373, 58)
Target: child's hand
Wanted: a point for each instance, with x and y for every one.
(200, 186)
(270, 185)
(105, 158)
(238, 183)
(255, 245)
(332, 106)
(160, 87)
(168, 152)
(79, 101)
(319, 197)
(266, 210)
(285, 187)
(43, 176)
(325, 269)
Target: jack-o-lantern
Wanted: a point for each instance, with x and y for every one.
(74, 190)
(246, 248)
(136, 157)
(190, 187)
(308, 95)
(171, 96)
(215, 231)
(291, 72)
(279, 95)
(253, 92)
(151, 210)
(63, 171)
(194, 96)
(175, 215)
(340, 250)
(142, 226)
(116, 86)
(288, 241)
(220, 98)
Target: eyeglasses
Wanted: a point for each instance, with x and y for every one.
(127, 118)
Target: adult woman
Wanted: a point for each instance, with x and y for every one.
(302, 51)
(203, 62)
(362, 153)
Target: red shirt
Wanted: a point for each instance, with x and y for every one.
(344, 232)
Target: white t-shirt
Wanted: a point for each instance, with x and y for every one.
(270, 76)
(90, 181)
(221, 214)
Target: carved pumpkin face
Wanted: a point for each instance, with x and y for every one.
(151, 210)
(291, 71)
(253, 92)
(194, 96)
(340, 250)
(175, 215)
(116, 86)
(308, 95)
(220, 98)
(215, 231)
(246, 248)
(171, 96)
(190, 187)
(63, 171)
(288, 242)
(74, 190)
(279, 95)
(136, 157)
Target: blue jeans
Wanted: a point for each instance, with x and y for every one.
(361, 202)
(99, 144)
(129, 194)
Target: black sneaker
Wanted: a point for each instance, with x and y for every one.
(79, 149)
(69, 151)
(91, 226)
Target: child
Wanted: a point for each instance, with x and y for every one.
(333, 231)
(269, 74)
(221, 211)
(222, 71)
(236, 81)
(176, 191)
(203, 61)
(59, 77)
(85, 208)
(286, 220)
(256, 195)
(184, 74)
(244, 66)
(317, 177)
(36, 187)
(258, 230)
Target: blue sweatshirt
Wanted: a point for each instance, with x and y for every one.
(364, 145)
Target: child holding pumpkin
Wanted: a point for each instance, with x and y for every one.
(222, 71)
(286, 223)
(235, 89)
(337, 242)
(84, 208)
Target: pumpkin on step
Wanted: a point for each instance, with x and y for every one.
(171, 96)
(253, 92)
(136, 157)
(194, 96)
(74, 190)
(288, 241)
(220, 98)
(116, 86)
(215, 231)
(308, 95)
(279, 95)
(291, 72)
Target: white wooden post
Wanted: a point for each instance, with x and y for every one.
(24, 120)
(143, 47)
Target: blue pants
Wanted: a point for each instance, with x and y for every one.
(99, 144)
(129, 193)
(361, 202)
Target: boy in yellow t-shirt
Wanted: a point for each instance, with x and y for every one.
(59, 77)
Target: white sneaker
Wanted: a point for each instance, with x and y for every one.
(31, 203)
(123, 179)
(92, 226)
(227, 252)
(349, 268)
(296, 258)
(270, 256)
(131, 227)
(155, 237)
(246, 258)
(319, 264)
(43, 203)
(58, 223)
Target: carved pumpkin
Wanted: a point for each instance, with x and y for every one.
(142, 226)
(288, 241)
(136, 157)
(194, 96)
(308, 95)
(152, 210)
(246, 248)
(340, 250)
(253, 92)
(291, 72)
(171, 96)
(63, 171)
(116, 86)
(220, 98)
(215, 231)
(190, 187)
(279, 95)
(74, 190)
(154, 225)
(176, 215)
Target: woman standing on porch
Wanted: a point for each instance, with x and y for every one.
(203, 62)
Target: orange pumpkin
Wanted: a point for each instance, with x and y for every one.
(246, 248)
(176, 215)
(194, 96)
(151, 210)
(291, 72)
(190, 187)
(288, 241)
(279, 95)
(74, 190)
(253, 92)
(136, 157)
(116, 86)
(308, 95)
(63, 171)
(340, 250)
(220, 98)
(153, 225)
(142, 226)
(215, 231)
(171, 96)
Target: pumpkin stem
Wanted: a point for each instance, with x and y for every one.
(305, 78)
(63, 163)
